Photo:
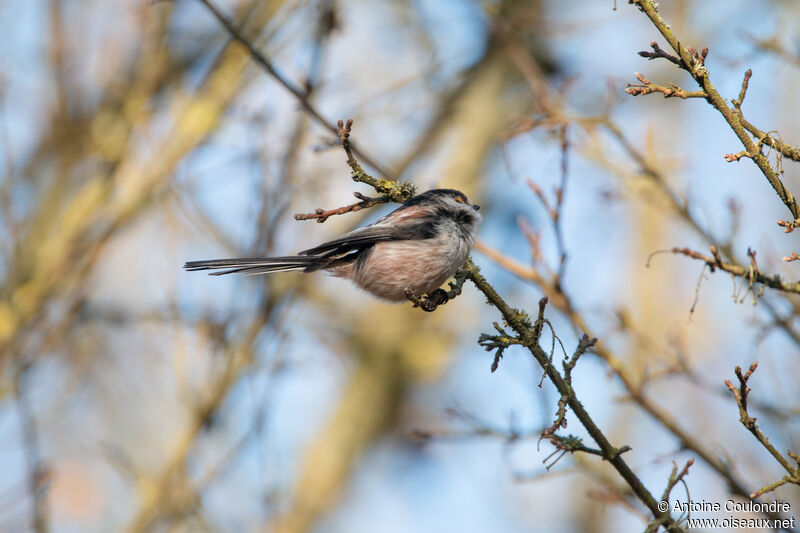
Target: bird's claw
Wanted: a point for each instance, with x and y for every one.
(429, 302)
(437, 298)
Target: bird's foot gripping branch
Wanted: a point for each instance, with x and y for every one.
(431, 301)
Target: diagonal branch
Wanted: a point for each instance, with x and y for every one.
(763, 137)
(396, 191)
(740, 394)
(521, 323)
(297, 92)
(694, 63)
(634, 389)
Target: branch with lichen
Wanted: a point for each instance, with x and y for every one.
(764, 138)
(498, 343)
(397, 191)
(521, 323)
(740, 393)
(694, 63)
(568, 443)
(633, 387)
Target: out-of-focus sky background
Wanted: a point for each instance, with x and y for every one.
(135, 136)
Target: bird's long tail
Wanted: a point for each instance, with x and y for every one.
(253, 265)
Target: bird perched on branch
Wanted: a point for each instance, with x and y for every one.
(408, 253)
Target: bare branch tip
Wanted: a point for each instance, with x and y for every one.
(730, 158)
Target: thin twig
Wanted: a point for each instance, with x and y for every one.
(39, 472)
(751, 273)
(694, 63)
(740, 394)
(321, 215)
(296, 91)
(784, 150)
(646, 87)
(398, 192)
(658, 53)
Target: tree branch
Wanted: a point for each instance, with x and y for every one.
(397, 191)
(321, 215)
(297, 92)
(740, 394)
(646, 87)
(751, 273)
(520, 322)
(633, 388)
(694, 63)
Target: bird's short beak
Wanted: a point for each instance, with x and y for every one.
(476, 207)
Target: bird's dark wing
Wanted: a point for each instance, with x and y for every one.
(360, 238)
(381, 231)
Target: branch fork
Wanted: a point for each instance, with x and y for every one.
(740, 394)
(693, 62)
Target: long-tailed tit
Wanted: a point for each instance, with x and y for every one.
(413, 250)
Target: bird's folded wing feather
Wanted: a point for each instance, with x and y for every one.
(360, 238)
(365, 237)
